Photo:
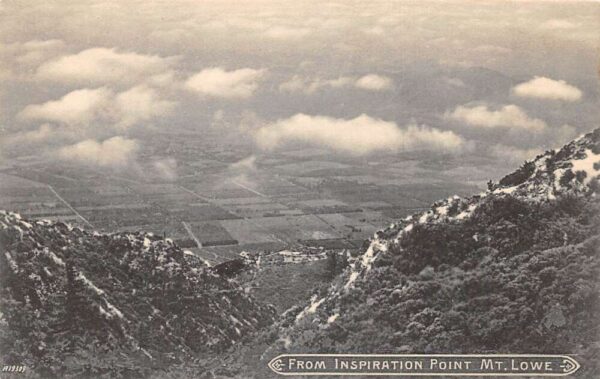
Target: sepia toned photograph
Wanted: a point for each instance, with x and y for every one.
(264, 189)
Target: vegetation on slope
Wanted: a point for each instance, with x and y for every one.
(85, 304)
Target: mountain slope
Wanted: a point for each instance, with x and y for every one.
(514, 269)
(81, 303)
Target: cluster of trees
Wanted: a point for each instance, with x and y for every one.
(123, 305)
(517, 277)
(336, 263)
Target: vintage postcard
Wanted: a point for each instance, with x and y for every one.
(296, 188)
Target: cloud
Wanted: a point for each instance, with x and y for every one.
(243, 171)
(370, 82)
(140, 103)
(166, 168)
(18, 59)
(101, 105)
(164, 79)
(116, 152)
(102, 65)
(36, 51)
(20, 139)
(216, 82)
(298, 84)
(246, 164)
(509, 116)
(308, 86)
(44, 44)
(545, 88)
(358, 136)
(374, 82)
(77, 107)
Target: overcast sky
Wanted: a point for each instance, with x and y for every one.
(86, 81)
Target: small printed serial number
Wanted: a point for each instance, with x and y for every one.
(13, 368)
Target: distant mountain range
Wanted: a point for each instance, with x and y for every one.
(514, 269)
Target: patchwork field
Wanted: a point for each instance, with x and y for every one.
(217, 207)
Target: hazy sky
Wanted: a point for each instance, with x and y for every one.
(86, 81)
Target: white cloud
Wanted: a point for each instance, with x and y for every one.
(40, 134)
(509, 116)
(216, 82)
(164, 79)
(308, 86)
(370, 82)
(36, 51)
(166, 168)
(116, 152)
(243, 170)
(140, 103)
(77, 107)
(340, 82)
(101, 65)
(18, 59)
(248, 163)
(374, 82)
(44, 44)
(298, 84)
(86, 106)
(546, 88)
(358, 136)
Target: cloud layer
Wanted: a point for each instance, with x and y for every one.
(101, 65)
(116, 152)
(509, 116)
(369, 82)
(357, 136)
(217, 82)
(165, 168)
(101, 105)
(374, 82)
(545, 88)
(77, 107)
(69, 77)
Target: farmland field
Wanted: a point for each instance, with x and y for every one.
(217, 207)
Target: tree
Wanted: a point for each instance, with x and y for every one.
(336, 263)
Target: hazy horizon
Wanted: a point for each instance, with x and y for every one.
(498, 80)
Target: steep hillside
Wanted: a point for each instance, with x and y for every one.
(515, 269)
(87, 304)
